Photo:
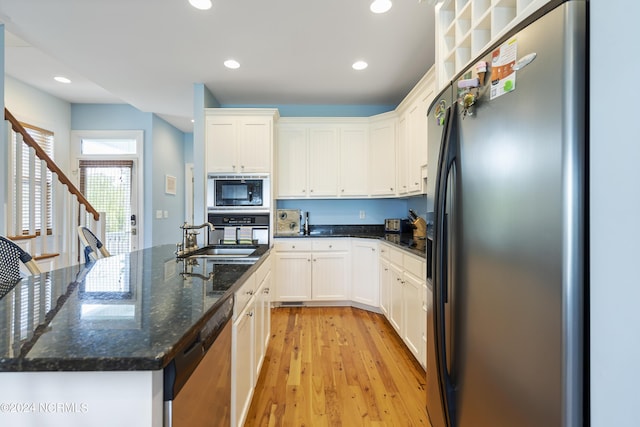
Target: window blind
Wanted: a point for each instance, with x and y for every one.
(32, 202)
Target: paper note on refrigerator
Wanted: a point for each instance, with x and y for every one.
(503, 76)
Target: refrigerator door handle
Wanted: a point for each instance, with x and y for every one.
(448, 154)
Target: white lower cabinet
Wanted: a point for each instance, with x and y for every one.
(365, 287)
(262, 321)
(412, 311)
(242, 361)
(293, 270)
(395, 309)
(249, 337)
(312, 269)
(385, 286)
(403, 277)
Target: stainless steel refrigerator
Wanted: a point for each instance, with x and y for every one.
(506, 324)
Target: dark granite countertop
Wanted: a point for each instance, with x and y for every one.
(126, 312)
(403, 241)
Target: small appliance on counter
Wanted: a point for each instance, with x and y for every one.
(396, 225)
(287, 222)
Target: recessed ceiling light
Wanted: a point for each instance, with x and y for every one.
(380, 6)
(201, 4)
(359, 65)
(61, 79)
(231, 63)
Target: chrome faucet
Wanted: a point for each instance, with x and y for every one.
(189, 241)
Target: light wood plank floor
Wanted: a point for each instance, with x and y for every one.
(337, 366)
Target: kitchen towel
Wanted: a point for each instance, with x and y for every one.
(245, 235)
(229, 236)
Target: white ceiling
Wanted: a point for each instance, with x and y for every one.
(149, 53)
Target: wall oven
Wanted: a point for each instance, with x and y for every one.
(238, 193)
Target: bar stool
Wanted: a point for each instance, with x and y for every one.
(93, 247)
(10, 257)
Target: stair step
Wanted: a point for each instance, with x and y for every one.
(40, 257)
(22, 237)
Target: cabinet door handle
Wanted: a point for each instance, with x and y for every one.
(250, 314)
(249, 292)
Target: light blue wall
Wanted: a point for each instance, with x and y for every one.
(347, 211)
(167, 159)
(170, 140)
(188, 147)
(202, 98)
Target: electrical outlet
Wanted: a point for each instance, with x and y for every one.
(166, 214)
(158, 214)
(362, 215)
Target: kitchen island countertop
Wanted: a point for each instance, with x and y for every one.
(123, 313)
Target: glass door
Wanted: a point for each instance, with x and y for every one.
(108, 186)
(110, 177)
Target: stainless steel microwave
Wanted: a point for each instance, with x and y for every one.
(237, 193)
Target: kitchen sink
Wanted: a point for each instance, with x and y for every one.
(225, 251)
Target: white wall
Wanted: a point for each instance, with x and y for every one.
(615, 214)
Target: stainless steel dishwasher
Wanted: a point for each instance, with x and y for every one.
(197, 382)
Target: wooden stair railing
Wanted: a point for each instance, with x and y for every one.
(71, 207)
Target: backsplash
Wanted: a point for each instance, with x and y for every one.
(347, 211)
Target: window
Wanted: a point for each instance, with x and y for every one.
(31, 201)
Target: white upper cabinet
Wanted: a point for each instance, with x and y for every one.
(291, 167)
(404, 154)
(382, 155)
(322, 158)
(323, 161)
(412, 135)
(239, 140)
(354, 161)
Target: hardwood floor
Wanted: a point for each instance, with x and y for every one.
(337, 366)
